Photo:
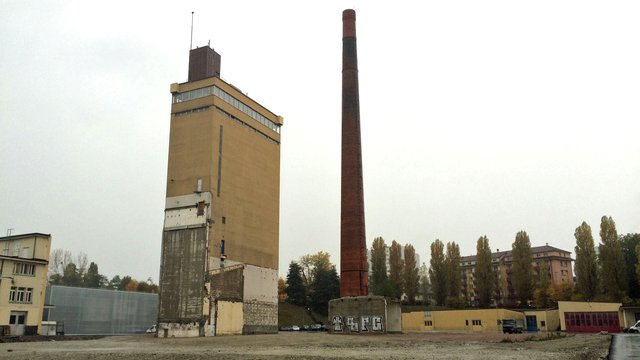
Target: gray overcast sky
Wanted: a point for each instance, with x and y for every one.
(478, 118)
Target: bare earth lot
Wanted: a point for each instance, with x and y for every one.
(412, 345)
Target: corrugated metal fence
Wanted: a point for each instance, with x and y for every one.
(95, 311)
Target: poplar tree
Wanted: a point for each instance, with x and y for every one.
(628, 244)
(410, 273)
(484, 274)
(424, 282)
(586, 267)
(437, 273)
(396, 266)
(522, 276)
(611, 260)
(542, 297)
(454, 272)
(378, 263)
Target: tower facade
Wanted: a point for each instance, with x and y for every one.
(219, 264)
(353, 245)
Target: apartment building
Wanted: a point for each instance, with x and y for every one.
(560, 271)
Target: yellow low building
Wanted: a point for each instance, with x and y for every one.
(570, 316)
(23, 277)
(458, 320)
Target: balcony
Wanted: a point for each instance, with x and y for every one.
(509, 287)
(536, 268)
(509, 271)
(464, 283)
(464, 276)
(497, 297)
(513, 296)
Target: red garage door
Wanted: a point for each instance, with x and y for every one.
(592, 321)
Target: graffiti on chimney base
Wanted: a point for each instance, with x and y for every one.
(365, 325)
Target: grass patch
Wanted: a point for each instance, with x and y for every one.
(552, 336)
(289, 314)
(506, 340)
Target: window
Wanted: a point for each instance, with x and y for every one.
(428, 323)
(426, 314)
(20, 294)
(20, 297)
(476, 322)
(467, 322)
(23, 269)
(537, 255)
(545, 254)
(224, 220)
(542, 324)
(25, 252)
(5, 252)
(16, 248)
(181, 113)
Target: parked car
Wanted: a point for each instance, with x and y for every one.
(511, 326)
(152, 330)
(325, 327)
(283, 328)
(316, 327)
(635, 329)
(305, 328)
(295, 328)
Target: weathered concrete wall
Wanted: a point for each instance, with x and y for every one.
(260, 300)
(227, 283)
(363, 315)
(182, 276)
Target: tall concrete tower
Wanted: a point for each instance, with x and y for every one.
(353, 245)
(220, 240)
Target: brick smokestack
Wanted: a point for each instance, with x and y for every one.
(353, 245)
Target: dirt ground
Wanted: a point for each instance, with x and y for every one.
(302, 345)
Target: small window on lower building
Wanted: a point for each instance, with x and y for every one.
(467, 322)
(476, 322)
(542, 324)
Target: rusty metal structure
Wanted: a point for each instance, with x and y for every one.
(353, 246)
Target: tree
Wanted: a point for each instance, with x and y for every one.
(586, 267)
(541, 296)
(309, 265)
(132, 286)
(295, 287)
(71, 277)
(437, 272)
(378, 263)
(92, 277)
(522, 276)
(611, 260)
(81, 262)
(325, 286)
(484, 271)
(628, 245)
(115, 282)
(453, 270)
(143, 287)
(282, 289)
(58, 261)
(396, 267)
(424, 282)
(122, 286)
(503, 284)
(410, 274)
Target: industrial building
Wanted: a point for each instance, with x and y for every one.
(560, 271)
(23, 277)
(219, 262)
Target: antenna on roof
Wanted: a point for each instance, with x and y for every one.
(191, 43)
